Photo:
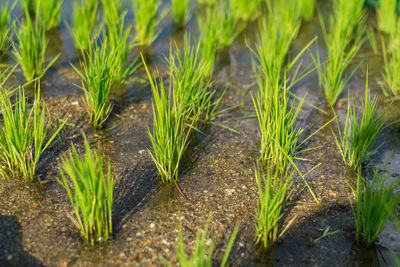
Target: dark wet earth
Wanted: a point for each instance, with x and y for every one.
(217, 178)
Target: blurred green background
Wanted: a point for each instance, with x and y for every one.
(374, 3)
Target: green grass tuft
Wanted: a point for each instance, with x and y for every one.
(29, 51)
(203, 249)
(91, 193)
(375, 204)
(84, 28)
(5, 26)
(360, 131)
(273, 192)
(24, 135)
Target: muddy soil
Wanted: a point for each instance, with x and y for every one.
(217, 177)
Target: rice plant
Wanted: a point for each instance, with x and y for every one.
(49, 13)
(24, 135)
(111, 11)
(361, 131)
(98, 76)
(5, 26)
(180, 11)
(91, 193)
(146, 20)
(347, 24)
(210, 41)
(29, 51)
(229, 26)
(203, 249)
(84, 28)
(387, 15)
(273, 192)
(391, 59)
(245, 10)
(308, 8)
(375, 204)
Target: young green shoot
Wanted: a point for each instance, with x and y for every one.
(180, 11)
(5, 26)
(49, 13)
(376, 202)
(273, 193)
(30, 48)
(91, 193)
(98, 76)
(84, 28)
(146, 20)
(203, 249)
(347, 24)
(24, 135)
(361, 131)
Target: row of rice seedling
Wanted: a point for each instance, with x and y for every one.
(343, 40)
(25, 132)
(203, 250)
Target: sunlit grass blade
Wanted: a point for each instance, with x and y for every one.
(24, 135)
(5, 26)
(91, 193)
(376, 202)
(203, 249)
(146, 20)
(180, 11)
(30, 48)
(49, 13)
(361, 130)
(84, 28)
(273, 192)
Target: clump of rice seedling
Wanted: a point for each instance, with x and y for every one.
(273, 192)
(361, 131)
(210, 41)
(347, 24)
(91, 193)
(375, 203)
(84, 27)
(180, 11)
(49, 13)
(387, 15)
(245, 10)
(98, 76)
(308, 7)
(112, 10)
(229, 27)
(29, 52)
(203, 249)
(391, 57)
(146, 20)
(5, 26)
(24, 135)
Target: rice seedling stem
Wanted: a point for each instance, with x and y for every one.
(91, 193)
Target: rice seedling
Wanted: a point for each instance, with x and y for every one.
(245, 10)
(49, 13)
(91, 193)
(361, 131)
(146, 20)
(273, 192)
(229, 27)
(391, 59)
(84, 28)
(180, 11)
(347, 24)
(210, 41)
(111, 11)
(98, 76)
(308, 7)
(29, 6)
(24, 135)
(5, 26)
(387, 15)
(203, 249)
(29, 51)
(375, 204)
